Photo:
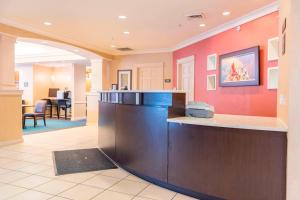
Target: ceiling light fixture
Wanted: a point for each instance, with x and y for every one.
(47, 23)
(126, 32)
(226, 13)
(113, 46)
(122, 17)
(202, 25)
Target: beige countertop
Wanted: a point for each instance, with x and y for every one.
(235, 121)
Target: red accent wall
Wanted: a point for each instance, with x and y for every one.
(249, 100)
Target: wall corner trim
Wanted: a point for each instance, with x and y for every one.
(255, 14)
(11, 92)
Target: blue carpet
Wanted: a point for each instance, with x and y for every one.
(52, 125)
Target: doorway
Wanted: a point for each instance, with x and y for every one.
(185, 77)
(151, 77)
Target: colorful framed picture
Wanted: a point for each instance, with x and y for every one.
(125, 79)
(240, 68)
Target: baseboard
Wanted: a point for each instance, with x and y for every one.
(78, 118)
(11, 142)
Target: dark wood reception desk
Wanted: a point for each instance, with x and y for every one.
(226, 157)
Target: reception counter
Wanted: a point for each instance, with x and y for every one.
(226, 157)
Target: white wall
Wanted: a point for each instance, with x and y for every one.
(26, 77)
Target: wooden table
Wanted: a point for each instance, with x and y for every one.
(61, 103)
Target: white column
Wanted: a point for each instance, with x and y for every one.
(10, 97)
(289, 92)
(96, 79)
(96, 85)
(7, 62)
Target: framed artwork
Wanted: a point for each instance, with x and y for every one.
(125, 79)
(211, 62)
(240, 68)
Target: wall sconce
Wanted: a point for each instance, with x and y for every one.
(53, 78)
(88, 75)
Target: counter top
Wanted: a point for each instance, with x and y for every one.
(235, 121)
(143, 91)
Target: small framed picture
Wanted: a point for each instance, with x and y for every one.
(211, 82)
(273, 76)
(125, 79)
(211, 62)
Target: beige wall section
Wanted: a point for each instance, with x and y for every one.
(10, 122)
(289, 87)
(63, 77)
(41, 81)
(133, 61)
(106, 85)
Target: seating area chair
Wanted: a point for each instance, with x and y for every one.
(63, 104)
(39, 112)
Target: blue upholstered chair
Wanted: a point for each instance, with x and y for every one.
(39, 112)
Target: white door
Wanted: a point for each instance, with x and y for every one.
(151, 78)
(186, 78)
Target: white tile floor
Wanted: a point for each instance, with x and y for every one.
(26, 172)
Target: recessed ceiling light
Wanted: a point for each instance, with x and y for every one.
(225, 13)
(202, 25)
(122, 17)
(126, 32)
(113, 46)
(47, 23)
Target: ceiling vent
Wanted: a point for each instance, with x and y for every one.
(196, 16)
(125, 49)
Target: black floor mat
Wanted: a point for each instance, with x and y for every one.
(82, 160)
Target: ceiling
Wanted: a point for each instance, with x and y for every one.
(27, 53)
(154, 25)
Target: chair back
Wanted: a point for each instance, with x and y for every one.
(40, 106)
(53, 92)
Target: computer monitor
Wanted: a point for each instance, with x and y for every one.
(53, 92)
